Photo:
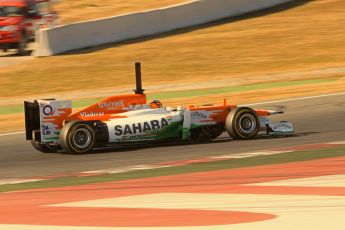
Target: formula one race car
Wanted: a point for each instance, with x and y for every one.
(125, 119)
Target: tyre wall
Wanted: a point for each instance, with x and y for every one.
(80, 35)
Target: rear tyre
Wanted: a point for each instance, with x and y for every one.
(77, 138)
(207, 133)
(212, 132)
(44, 148)
(242, 123)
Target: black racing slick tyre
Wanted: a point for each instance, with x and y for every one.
(207, 133)
(44, 148)
(242, 123)
(77, 138)
(213, 131)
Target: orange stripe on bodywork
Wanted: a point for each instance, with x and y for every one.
(220, 112)
(58, 120)
(109, 107)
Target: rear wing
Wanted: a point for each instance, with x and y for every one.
(44, 119)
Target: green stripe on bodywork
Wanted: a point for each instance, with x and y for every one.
(173, 130)
(51, 138)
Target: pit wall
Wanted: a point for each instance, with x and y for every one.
(86, 34)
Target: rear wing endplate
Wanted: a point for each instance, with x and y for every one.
(32, 118)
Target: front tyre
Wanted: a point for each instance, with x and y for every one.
(242, 123)
(77, 138)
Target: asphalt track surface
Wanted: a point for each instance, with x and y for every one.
(316, 120)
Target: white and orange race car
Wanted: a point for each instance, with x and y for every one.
(126, 119)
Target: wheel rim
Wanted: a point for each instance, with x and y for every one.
(82, 138)
(247, 123)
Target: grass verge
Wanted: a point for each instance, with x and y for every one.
(14, 109)
(192, 168)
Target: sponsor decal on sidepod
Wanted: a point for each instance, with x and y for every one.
(199, 115)
(137, 128)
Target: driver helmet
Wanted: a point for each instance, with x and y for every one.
(155, 104)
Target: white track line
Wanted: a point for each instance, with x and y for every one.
(259, 103)
(18, 181)
(337, 143)
(319, 181)
(298, 99)
(169, 164)
(9, 134)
